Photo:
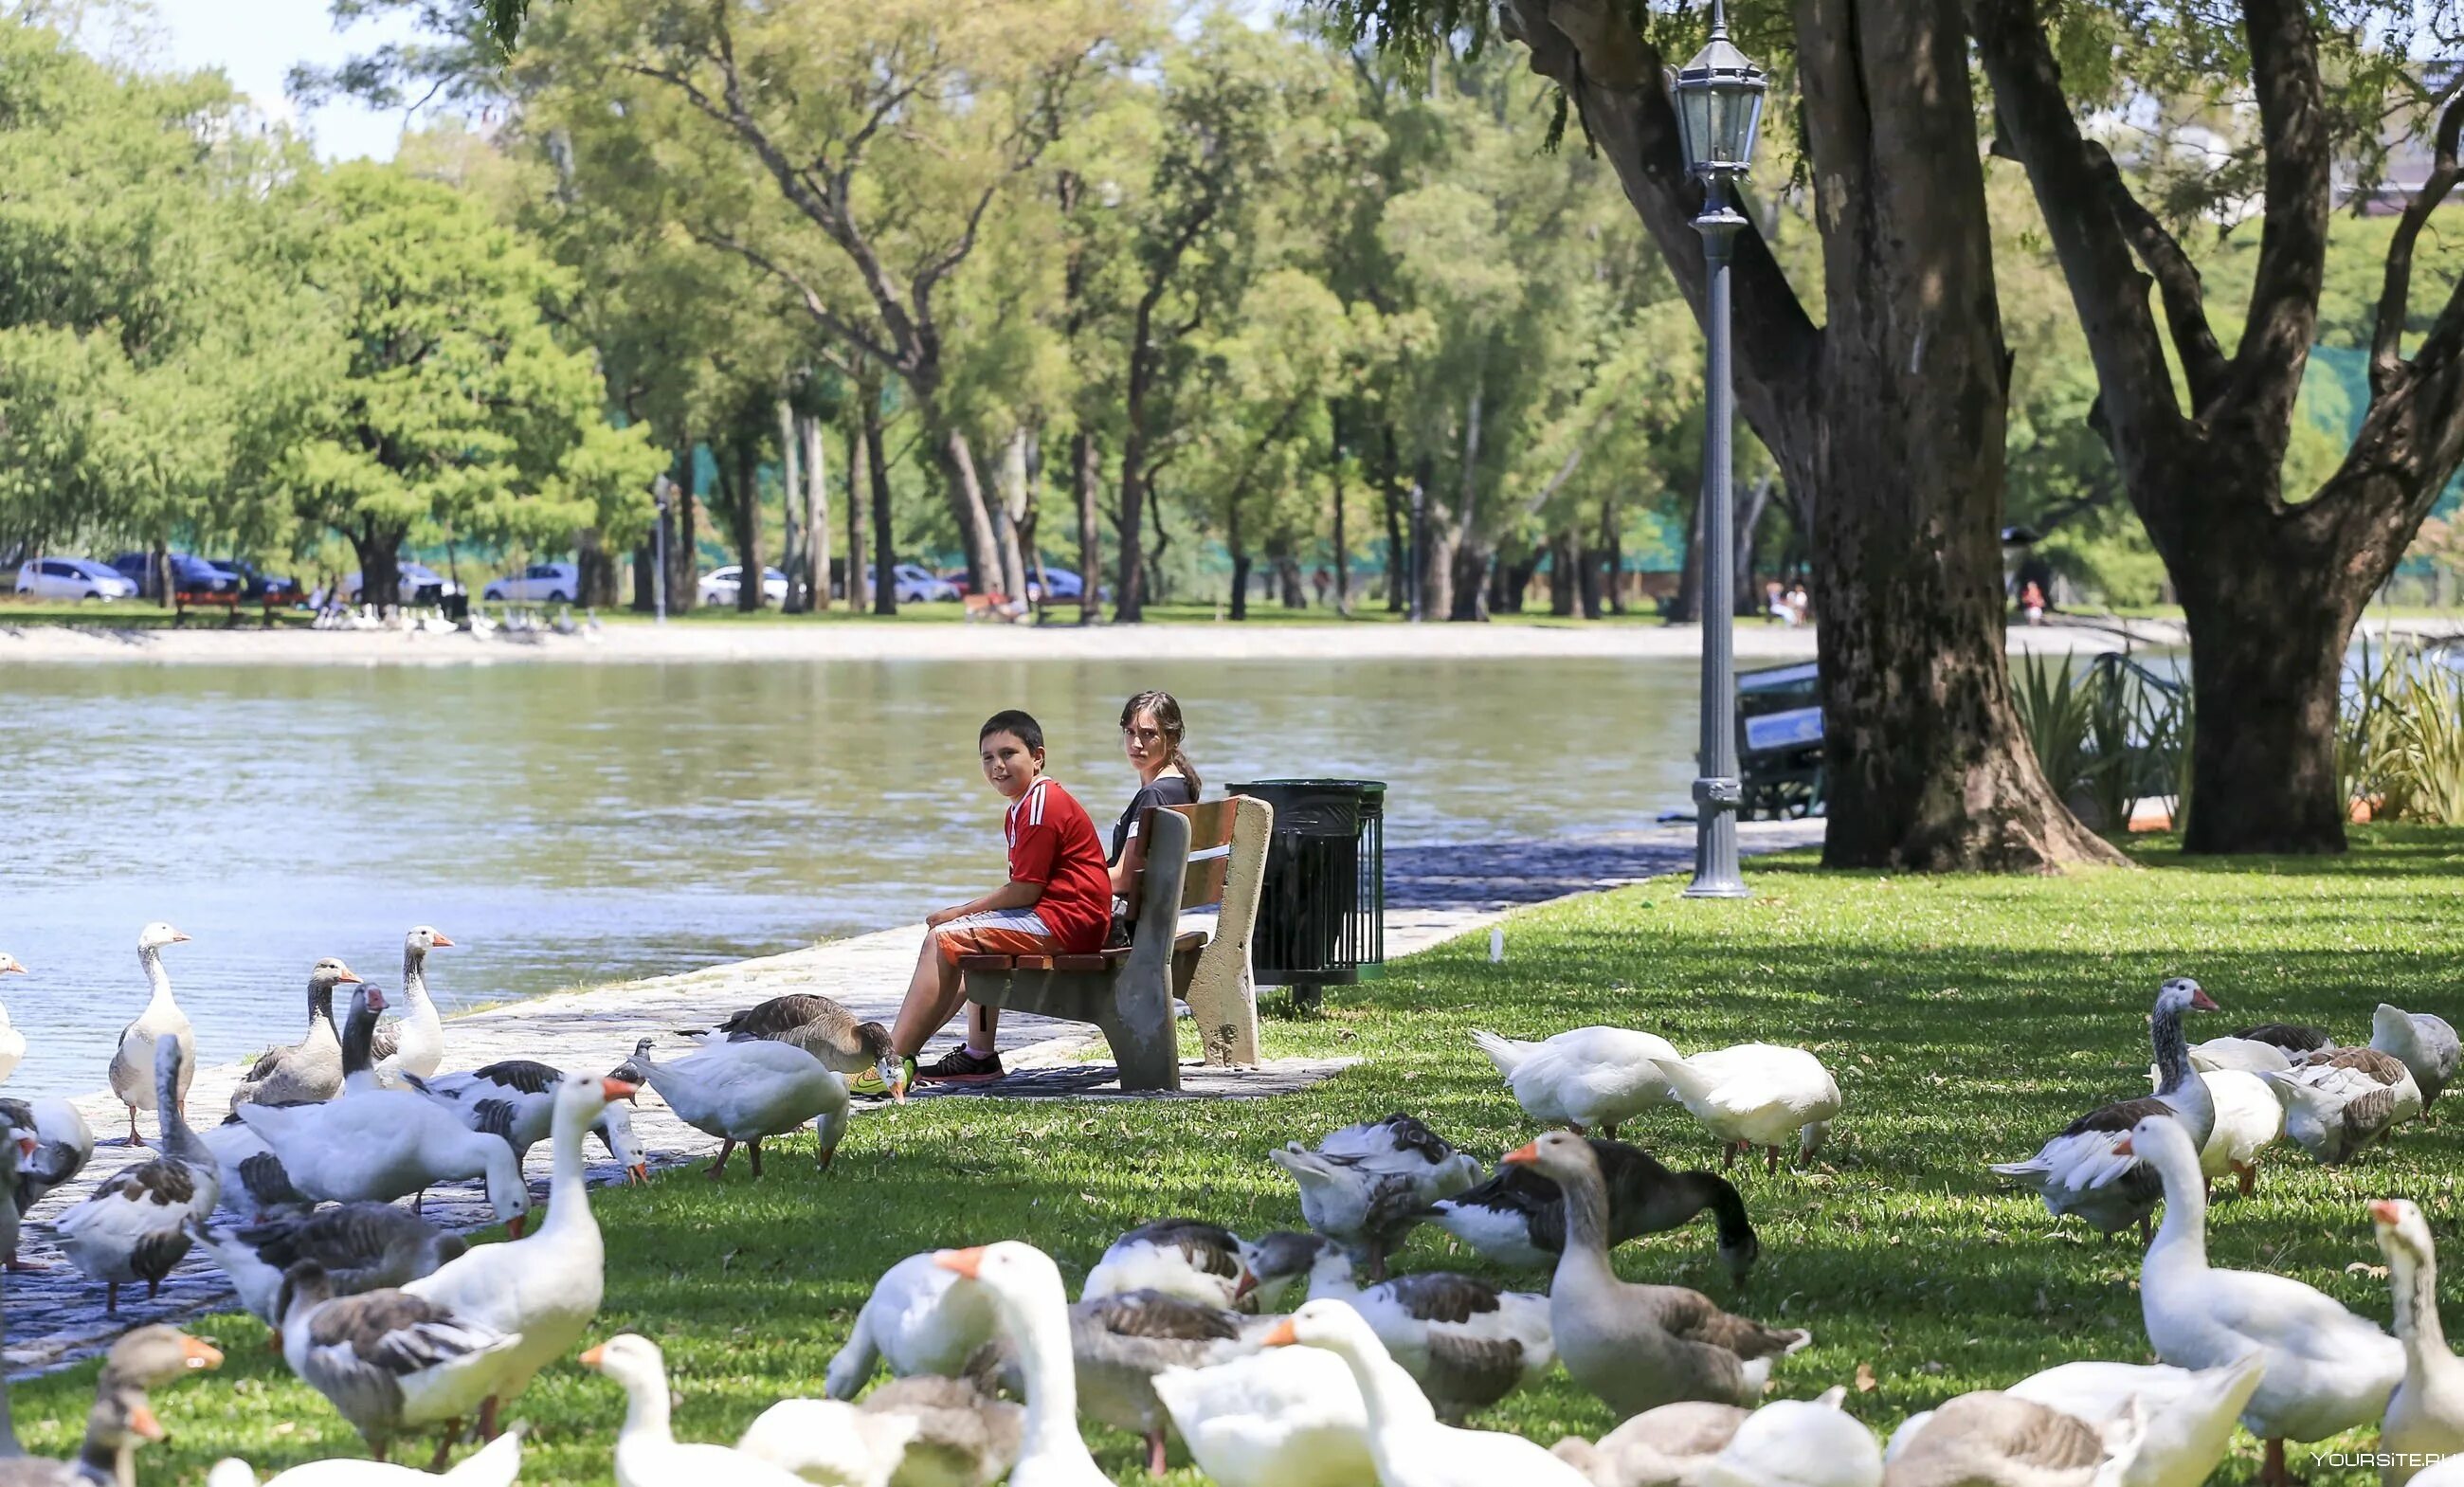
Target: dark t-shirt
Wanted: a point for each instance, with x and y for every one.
(1170, 790)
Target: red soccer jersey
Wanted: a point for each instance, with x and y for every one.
(1052, 842)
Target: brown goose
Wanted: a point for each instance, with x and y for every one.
(123, 1418)
(815, 1023)
(134, 1227)
(1657, 1448)
(1992, 1439)
(1466, 1341)
(1518, 1218)
(363, 1246)
(2339, 1101)
(311, 1069)
(1640, 1347)
(388, 1361)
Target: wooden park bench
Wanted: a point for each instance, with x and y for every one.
(185, 600)
(1212, 855)
(992, 606)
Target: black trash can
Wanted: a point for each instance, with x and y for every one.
(1322, 907)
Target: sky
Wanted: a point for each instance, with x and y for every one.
(256, 43)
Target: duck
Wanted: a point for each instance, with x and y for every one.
(1990, 1438)
(2248, 1120)
(1589, 1079)
(1366, 1185)
(134, 1226)
(63, 1144)
(2424, 1415)
(648, 1453)
(373, 1144)
(1284, 1417)
(746, 1093)
(1406, 1440)
(2080, 1172)
(1188, 1257)
(362, 1247)
(2424, 1042)
(2328, 1370)
(1640, 1347)
(311, 1069)
(1666, 1447)
(122, 1416)
(1465, 1342)
(1517, 1218)
(1757, 1095)
(1798, 1443)
(1024, 1287)
(13, 1043)
(2338, 1102)
(1119, 1343)
(920, 1432)
(818, 1025)
(414, 1045)
(390, 1363)
(516, 1098)
(132, 1061)
(543, 1291)
(2189, 1414)
(496, 1464)
(920, 1321)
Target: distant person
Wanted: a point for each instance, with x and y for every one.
(1801, 604)
(1324, 582)
(2031, 602)
(1775, 604)
(1151, 737)
(1058, 902)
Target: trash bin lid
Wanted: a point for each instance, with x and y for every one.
(1364, 786)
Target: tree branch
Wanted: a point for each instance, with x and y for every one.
(2293, 237)
(2395, 298)
(814, 304)
(2177, 281)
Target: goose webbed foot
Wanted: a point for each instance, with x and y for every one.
(1770, 1160)
(2275, 1473)
(754, 1147)
(16, 1264)
(719, 1168)
(444, 1447)
(110, 1296)
(1729, 1155)
(1608, 1131)
(2249, 1173)
(488, 1428)
(1155, 1466)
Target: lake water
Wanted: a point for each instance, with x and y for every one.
(567, 825)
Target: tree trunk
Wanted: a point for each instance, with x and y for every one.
(684, 555)
(1087, 471)
(1565, 575)
(1240, 564)
(817, 517)
(1288, 576)
(1152, 582)
(1011, 499)
(2267, 662)
(1687, 606)
(964, 488)
(1128, 605)
(596, 569)
(1470, 600)
(645, 568)
(859, 578)
(1613, 559)
(379, 553)
(752, 581)
(1342, 548)
(1750, 515)
(159, 566)
(1398, 559)
(884, 545)
(791, 484)
(1887, 419)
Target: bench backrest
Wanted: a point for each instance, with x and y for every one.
(1213, 856)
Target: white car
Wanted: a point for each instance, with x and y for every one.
(421, 584)
(918, 585)
(72, 577)
(719, 585)
(550, 583)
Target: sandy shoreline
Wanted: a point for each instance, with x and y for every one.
(690, 644)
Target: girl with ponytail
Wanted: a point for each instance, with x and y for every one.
(1152, 736)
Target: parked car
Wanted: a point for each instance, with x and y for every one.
(1065, 586)
(72, 577)
(916, 584)
(551, 583)
(257, 586)
(189, 574)
(719, 585)
(956, 579)
(420, 584)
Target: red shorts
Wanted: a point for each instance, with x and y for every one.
(999, 932)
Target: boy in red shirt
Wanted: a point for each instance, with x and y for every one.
(1058, 902)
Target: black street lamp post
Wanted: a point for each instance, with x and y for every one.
(1719, 100)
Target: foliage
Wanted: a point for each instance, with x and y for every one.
(1966, 1019)
(2425, 745)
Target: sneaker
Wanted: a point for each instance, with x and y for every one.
(867, 1086)
(958, 1066)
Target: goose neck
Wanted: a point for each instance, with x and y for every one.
(568, 1189)
(414, 977)
(1587, 1221)
(1388, 1396)
(2415, 1285)
(646, 1407)
(2173, 1053)
(1051, 1426)
(150, 956)
(2182, 1238)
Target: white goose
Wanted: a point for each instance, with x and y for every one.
(1797, 1443)
(1034, 1311)
(648, 1453)
(919, 1319)
(375, 1144)
(1590, 1078)
(2424, 1415)
(2327, 1370)
(1287, 1417)
(134, 1227)
(1757, 1095)
(2248, 1120)
(2337, 1101)
(1409, 1446)
(2190, 1414)
(2424, 1042)
(132, 1062)
(746, 1093)
(544, 1290)
(1188, 1257)
(13, 1043)
(1468, 1343)
(63, 1144)
(415, 1045)
(499, 1464)
(516, 1098)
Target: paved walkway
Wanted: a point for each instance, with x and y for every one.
(54, 1317)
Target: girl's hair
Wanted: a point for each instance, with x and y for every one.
(1166, 709)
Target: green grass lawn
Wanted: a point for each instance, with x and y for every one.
(1966, 1019)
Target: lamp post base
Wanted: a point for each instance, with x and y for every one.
(1715, 840)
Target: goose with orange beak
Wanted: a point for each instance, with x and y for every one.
(543, 1291)
(123, 1418)
(2424, 1415)
(648, 1453)
(1410, 1448)
(1034, 1311)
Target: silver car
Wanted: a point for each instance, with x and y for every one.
(72, 577)
(539, 584)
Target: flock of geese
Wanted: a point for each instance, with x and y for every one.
(1181, 1327)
